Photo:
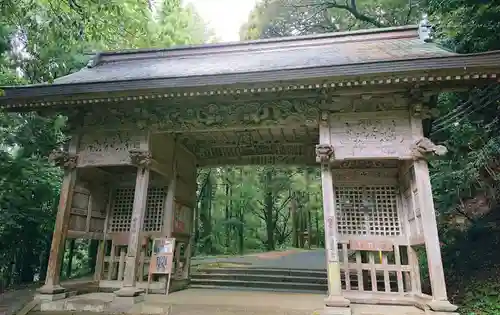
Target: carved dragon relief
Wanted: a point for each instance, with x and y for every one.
(324, 153)
(63, 159)
(140, 158)
(180, 117)
(424, 148)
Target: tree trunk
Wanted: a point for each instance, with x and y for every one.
(269, 205)
(295, 233)
(241, 217)
(71, 252)
(318, 238)
(44, 257)
(206, 215)
(92, 254)
(228, 216)
(27, 270)
(308, 209)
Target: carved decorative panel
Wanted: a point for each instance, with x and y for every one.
(253, 146)
(357, 136)
(97, 149)
(180, 116)
(364, 176)
(121, 212)
(367, 210)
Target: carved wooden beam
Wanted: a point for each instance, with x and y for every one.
(64, 159)
(86, 235)
(424, 148)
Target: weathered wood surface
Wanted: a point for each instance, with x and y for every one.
(376, 135)
(108, 148)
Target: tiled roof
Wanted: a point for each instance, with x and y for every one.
(258, 56)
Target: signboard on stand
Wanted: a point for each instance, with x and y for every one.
(162, 257)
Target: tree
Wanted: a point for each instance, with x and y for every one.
(278, 18)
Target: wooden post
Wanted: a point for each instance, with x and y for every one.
(189, 249)
(168, 223)
(67, 160)
(101, 251)
(177, 259)
(324, 155)
(433, 250)
(129, 288)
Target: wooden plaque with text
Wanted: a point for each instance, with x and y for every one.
(382, 246)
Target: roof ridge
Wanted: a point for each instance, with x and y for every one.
(408, 31)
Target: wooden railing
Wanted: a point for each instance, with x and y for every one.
(394, 272)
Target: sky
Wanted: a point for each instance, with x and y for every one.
(224, 17)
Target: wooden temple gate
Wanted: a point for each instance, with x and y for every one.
(102, 204)
(354, 104)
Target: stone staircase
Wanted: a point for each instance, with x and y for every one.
(260, 278)
(288, 280)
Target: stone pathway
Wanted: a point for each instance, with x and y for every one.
(290, 259)
(12, 302)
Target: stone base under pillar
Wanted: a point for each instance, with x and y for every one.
(51, 297)
(51, 289)
(442, 306)
(51, 293)
(337, 301)
(129, 292)
(329, 310)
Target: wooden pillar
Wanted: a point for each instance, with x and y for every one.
(142, 159)
(177, 258)
(168, 224)
(336, 303)
(67, 160)
(101, 250)
(169, 210)
(430, 231)
(191, 243)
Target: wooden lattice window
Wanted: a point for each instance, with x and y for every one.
(121, 213)
(153, 220)
(367, 210)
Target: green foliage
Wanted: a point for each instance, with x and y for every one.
(482, 298)
(56, 37)
(467, 25)
(249, 207)
(278, 18)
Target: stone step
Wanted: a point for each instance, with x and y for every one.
(258, 277)
(259, 284)
(229, 288)
(233, 310)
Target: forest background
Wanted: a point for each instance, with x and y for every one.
(248, 209)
